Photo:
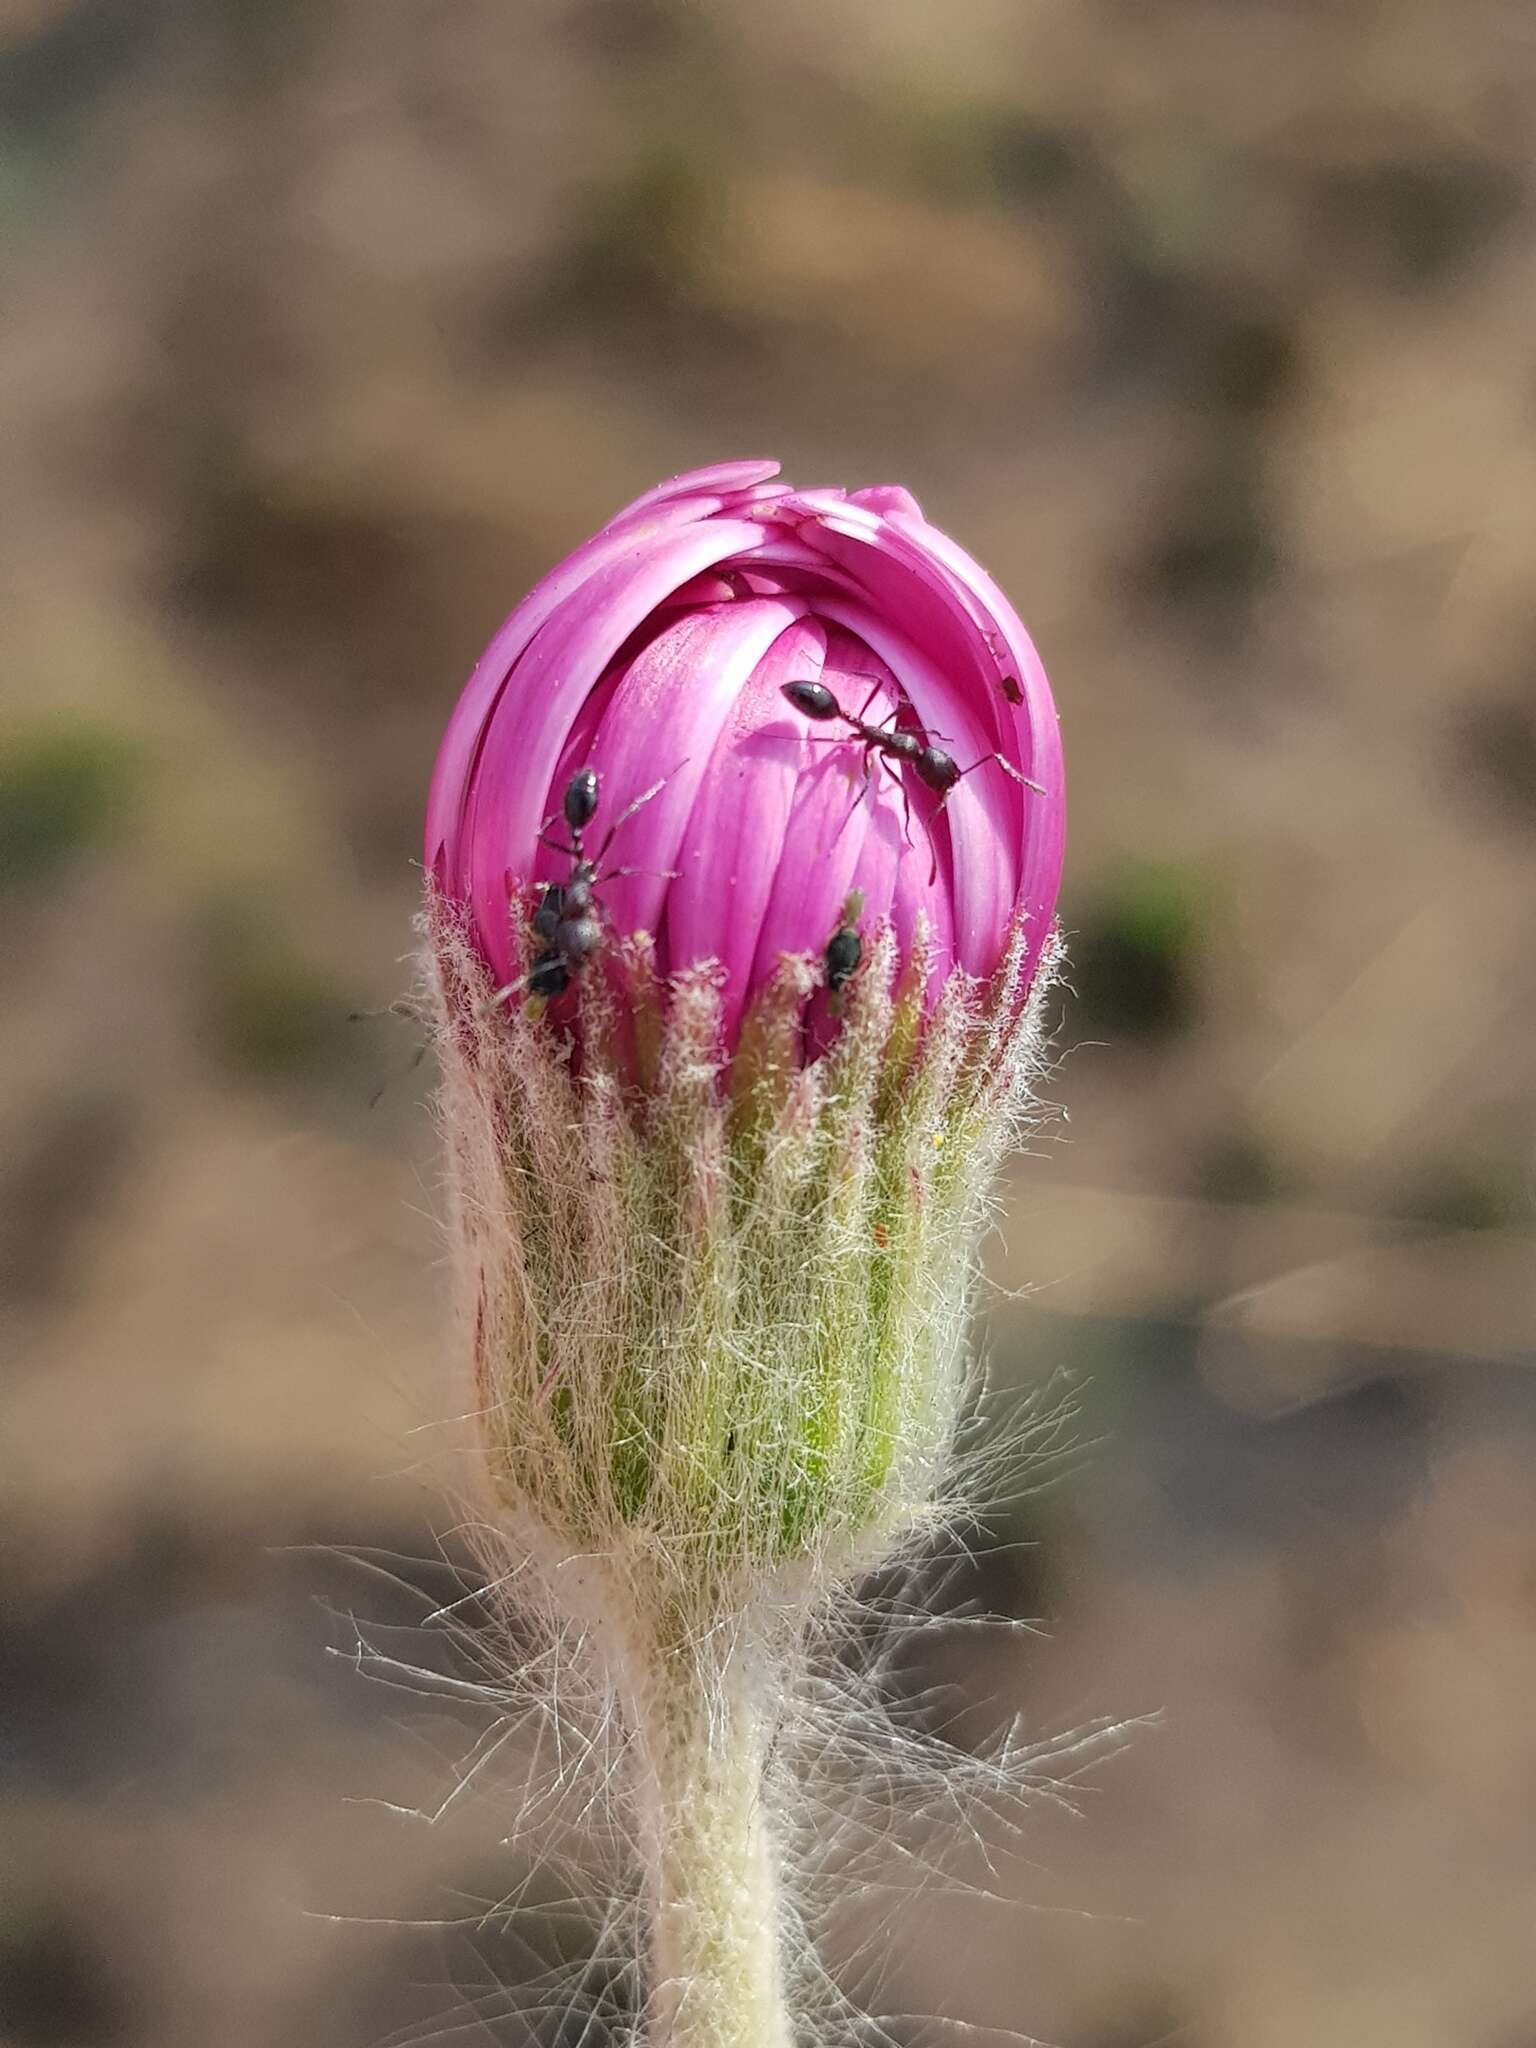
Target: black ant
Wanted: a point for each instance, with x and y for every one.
(567, 922)
(935, 769)
(845, 949)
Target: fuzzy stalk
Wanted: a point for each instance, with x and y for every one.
(715, 1316)
(711, 1867)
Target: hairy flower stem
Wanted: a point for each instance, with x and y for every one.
(716, 1973)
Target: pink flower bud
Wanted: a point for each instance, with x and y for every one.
(658, 653)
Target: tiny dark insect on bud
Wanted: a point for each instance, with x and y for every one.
(845, 949)
(568, 922)
(1011, 690)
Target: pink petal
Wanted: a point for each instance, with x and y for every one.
(981, 818)
(453, 773)
(943, 600)
(719, 481)
(734, 843)
(906, 582)
(886, 499)
(1037, 736)
(507, 799)
(845, 830)
(665, 721)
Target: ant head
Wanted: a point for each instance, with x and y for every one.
(814, 699)
(580, 801)
(937, 769)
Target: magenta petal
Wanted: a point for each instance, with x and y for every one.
(981, 811)
(1015, 651)
(509, 793)
(657, 653)
(918, 888)
(1036, 733)
(886, 499)
(940, 604)
(904, 581)
(664, 723)
(720, 481)
(864, 684)
(827, 825)
(453, 773)
(845, 828)
(734, 843)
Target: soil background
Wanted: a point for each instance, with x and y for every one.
(1206, 325)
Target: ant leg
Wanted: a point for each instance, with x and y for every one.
(906, 802)
(500, 995)
(616, 874)
(933, 842)
(879, 685)
(570, 852)
(629, 811)
(858, 794)
(1003, 762)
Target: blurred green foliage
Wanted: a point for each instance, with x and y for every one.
(1241, 1165)
(1478, 1189)
(1421, 218)
(636, 251)
(269, 1013)
(637, 31)
(1213, 545)
(967, 155)
(1136, 952)
(59, 1983)
(58, 1169)
(1495, 742)
(65, 785)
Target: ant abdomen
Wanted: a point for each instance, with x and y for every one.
(814, 699)
(580, 801)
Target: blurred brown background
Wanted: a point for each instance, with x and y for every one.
(328, 324)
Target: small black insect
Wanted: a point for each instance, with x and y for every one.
(568, 921)
(845, 949)
(934, 768)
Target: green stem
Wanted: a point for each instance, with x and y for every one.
(715, 1966)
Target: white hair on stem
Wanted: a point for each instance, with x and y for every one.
(714, 1345)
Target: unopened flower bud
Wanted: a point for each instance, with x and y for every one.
(742, 851)
(743, 846)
